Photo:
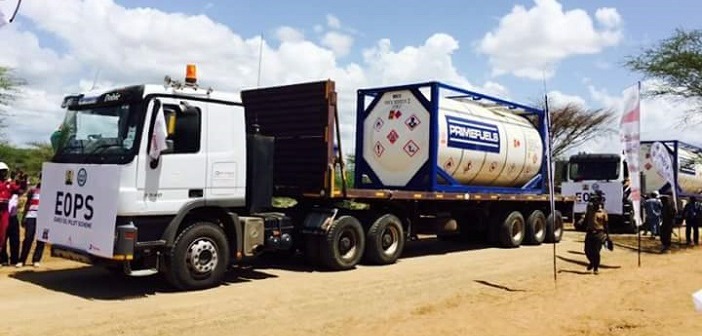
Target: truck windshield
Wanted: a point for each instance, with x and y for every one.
(99, 134)
(594, 170)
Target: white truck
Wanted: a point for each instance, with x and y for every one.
(204, 203)
(609, 173)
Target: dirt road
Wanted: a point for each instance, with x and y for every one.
(437, 288)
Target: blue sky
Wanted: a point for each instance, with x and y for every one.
(580, 45)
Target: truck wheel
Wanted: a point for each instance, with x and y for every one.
(554, 229)
(199, 257)
(344, 244)
(512, 230)
(385, 240)
(536, 228)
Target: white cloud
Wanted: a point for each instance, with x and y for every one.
(339, 43)
(140, 45)
(558, 98)
(531, 42)
(333, 22)
(289, 34)
(608, 17)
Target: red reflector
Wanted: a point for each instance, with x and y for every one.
(130, 235)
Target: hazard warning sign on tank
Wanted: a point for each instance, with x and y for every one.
(379, 149)
(467, 167)
(393, 136)
(394, 114)
(378, 124)
(412, 122)
(411, 148)
(449, 164)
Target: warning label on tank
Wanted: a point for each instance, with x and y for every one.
(378, 124)
(412, 122)
(379, 149)
(411, 148)
(393, 136)
(475, 135)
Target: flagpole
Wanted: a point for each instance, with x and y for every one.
(549, 173)
(636, 217)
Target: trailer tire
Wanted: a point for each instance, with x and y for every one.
(536, 228)
(344, 244)
(554, 230)
(385, 240)
(512, 230)
(199, 258)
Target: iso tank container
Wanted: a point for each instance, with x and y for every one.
(686, 162)
(435, 137)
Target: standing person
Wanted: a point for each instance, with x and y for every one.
(652, 208)
(597, 226)
(30, 226)
(13, 232)
(691, 214)
(7, 187)
(667, 220)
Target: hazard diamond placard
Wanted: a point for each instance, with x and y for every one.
(411, 148)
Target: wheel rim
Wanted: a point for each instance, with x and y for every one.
(202, 256)
(389, 240)
(516, 230)
(348, 244)
(558, 227)
(539, 229)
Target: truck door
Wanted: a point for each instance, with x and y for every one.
(178, 177)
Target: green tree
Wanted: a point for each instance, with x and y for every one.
(573, 124)
(676, 62)
(10, 89)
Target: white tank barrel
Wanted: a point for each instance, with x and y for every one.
(477, 145)
(689, 171)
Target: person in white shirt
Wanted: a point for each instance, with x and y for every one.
(13, 233)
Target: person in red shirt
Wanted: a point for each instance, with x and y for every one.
(7, 188)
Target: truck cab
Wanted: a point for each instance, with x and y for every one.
(586, 173)
(158, 178)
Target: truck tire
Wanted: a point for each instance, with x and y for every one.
(536, 228)
(512, 230)
(199, 257)
(385, 240)
(344, 244)
(554, 229)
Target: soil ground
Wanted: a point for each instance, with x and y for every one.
(437, 288)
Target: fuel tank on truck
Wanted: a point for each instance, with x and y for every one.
(689, 167)
(475, 144)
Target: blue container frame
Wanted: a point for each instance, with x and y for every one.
(427, 177)
(673, 146)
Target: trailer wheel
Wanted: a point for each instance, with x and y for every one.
(554, 229)
(536, 227)
(344, 244)
(199, 258)
(512, 230)
(385, 240)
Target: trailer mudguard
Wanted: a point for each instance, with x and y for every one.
(318, 221)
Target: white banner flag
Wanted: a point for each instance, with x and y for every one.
(630, 137)
(3, 18)
(158, 138)
(663, 162)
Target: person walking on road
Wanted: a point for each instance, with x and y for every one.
(30, 226)
(691, 214)
(597, 226)
(652, 208)
(667, 220)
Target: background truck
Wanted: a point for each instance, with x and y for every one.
(609, 173)
(430, 158)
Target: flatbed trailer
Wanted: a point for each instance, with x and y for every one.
(507, 217)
